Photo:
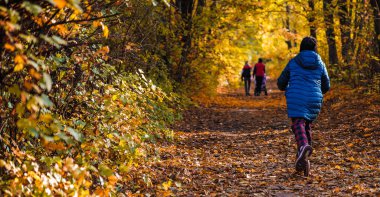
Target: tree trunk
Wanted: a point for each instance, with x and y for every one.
(376, 6)
(345, 29)
(311, 19)
(186, 8)
(330, 33)
(375, 65)
(201, 4)
(287, 25)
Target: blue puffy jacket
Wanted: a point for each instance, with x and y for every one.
(305, 80)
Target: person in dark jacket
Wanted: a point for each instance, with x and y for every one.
(304, 80)
(246, 76)
(259, 72)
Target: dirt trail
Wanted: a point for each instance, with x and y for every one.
(242, 146)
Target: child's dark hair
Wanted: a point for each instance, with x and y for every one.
(309, 43)
(260, 60)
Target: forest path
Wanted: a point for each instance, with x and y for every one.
(242, 146)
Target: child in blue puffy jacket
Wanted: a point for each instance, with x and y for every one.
(304, 80)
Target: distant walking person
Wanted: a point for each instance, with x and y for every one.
(304, 80)
(259, 72)
(246, 76)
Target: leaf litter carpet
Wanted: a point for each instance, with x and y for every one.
(235, 145)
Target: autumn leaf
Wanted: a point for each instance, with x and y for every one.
(338, 167)
(102, 192)
(28, 85)
(96, 24)
(35, 74)
(59, 3)
(351, 159)
(105, 30)
(55, 146)
(167, 185)
(104, 50)
(18, 67)
(112, 180)
(9, 47)
(19, 61)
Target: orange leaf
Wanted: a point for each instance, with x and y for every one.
(96, 24)
(102, 192)
(112, 180)
(55, 146)
(351, 159)
(9, 47)
(35, 74)
(104, 50)
(62, 30)
(60, 3)
(355, 166)
(338, 167)
(28, 85)
(19, 59)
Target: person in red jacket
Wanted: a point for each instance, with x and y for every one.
(259, 72)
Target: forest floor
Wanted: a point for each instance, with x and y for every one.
(235, 145)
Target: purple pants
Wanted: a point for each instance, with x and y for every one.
(302, 131)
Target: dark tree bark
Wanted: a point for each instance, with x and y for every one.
(375, 65)
(311, 19)
(376, 13)
(213, 4)
(201, 5)
(186, 8)
(213, 17)
(345, 28)
(330, 32)
(287, 25)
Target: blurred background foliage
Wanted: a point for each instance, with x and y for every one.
(89, 86)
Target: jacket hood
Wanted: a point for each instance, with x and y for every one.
(307, 59)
